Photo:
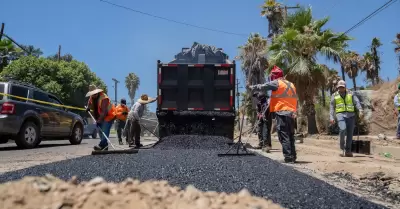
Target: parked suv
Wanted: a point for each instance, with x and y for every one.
(29, 122)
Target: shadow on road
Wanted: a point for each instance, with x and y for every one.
(38, 147)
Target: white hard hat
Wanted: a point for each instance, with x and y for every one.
(341, 83)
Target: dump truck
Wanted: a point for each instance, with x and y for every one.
(196, 93)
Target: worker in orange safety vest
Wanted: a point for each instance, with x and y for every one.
(103, 112)
(283, 105)
(121, 114)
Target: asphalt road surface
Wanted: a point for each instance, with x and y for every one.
(199, 166)
(13, 158)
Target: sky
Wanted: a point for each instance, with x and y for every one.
(114, 42)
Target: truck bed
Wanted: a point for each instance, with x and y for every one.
(196, 87)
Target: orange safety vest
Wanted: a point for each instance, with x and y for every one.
(121, 109)
(110, 108)
(284, 98)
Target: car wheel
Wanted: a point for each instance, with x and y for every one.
(94, 135)
(29, 136)
(77, 135)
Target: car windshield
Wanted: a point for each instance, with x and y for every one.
(1, 90)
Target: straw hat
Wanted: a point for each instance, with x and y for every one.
(144, 99)
(93, 90)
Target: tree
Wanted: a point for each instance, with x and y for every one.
(397, 47)
(275, 15)
(32, 51)
(8, 52)
(254, 64)
(67, 80)
(132, 83)
(296, 49)
(352, 63)
(332, 78)
(66, 57)
(372, 62)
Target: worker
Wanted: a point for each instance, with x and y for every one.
(122, 114)
(343, 103)
(264, 122)
(103, 112)
(283, 104)
(134, 116)
(397, 106)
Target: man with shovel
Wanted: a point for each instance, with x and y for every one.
(344, 103)
(133, 125)
(103, 112)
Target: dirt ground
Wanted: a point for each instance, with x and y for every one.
(374, 176)
(50, 192)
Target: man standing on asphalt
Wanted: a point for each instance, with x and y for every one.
(397, 106)
(122, 114)
(134, 116)
(264, 122)
(283, 105)
(103, 112)
(343, 103)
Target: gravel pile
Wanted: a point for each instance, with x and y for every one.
(51, 192)
(377, 184)
(193, 142)
(206, 171)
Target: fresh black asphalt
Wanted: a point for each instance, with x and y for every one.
(202, 168)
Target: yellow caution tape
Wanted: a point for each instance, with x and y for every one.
(43, 102)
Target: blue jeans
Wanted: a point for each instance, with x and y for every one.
(398, 125)
(346, 129)
(105, 127)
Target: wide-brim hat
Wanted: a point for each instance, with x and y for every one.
(93, 90)
(144, 99)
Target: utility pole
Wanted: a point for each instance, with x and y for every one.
(237, 99)
(59, 53)
(115, 88)
(1, 30)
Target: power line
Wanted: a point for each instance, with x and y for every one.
(386, 5)
(174, 21)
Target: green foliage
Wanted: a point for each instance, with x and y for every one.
(67, 80)
(132, 83)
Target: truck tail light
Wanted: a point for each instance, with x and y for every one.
(8, 108)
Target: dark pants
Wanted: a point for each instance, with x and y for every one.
(264, 130)
(120, 129)
(285, 129)
(134, 132)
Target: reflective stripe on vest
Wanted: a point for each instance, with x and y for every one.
(110, 108)
(282, 99)
(344, 105)
(398, 101)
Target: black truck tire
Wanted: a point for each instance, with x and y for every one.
(94, 134)
(76, 135)
(28, 136)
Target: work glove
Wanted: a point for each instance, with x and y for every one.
(361, 115)
(259, 116)
(332, 122)
(87, 109)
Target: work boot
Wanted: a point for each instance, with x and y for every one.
(138, 146)
(347, 154)
(290, 160)
(267, 149)
(98, 148)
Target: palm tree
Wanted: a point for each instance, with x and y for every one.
(353, 63)
(369, 68)
(397, 47)
(296, 49)
(325, 71)
(254, 63)
(332, 78)
(132, 83)
(32, 51)
(275, 15)
(8, 51)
